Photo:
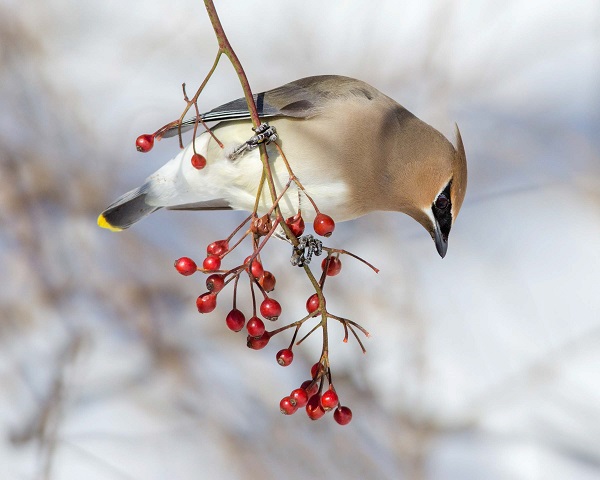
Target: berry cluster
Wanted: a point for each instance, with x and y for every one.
(312, 394)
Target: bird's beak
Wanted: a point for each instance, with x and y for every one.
(441, 240)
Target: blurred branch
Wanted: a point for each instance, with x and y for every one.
(44, 425)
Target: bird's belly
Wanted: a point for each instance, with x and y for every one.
(328, 194)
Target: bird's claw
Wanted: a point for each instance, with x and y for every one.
(306, 248)
(264, 134)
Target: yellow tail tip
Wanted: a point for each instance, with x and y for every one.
(102, 222)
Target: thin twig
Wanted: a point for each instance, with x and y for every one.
(345, 320)
(308, 334)
(194, 99)
(364, 350)
(295, 178)
(346, 252)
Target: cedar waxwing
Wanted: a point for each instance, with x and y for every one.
(354, 150)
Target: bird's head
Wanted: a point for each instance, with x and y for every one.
(437, 190)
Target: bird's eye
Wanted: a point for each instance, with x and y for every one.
(442, 202)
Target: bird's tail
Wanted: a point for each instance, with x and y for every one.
(126, 210)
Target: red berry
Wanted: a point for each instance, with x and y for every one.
(284, 357)
(342, 415)
(215, 283)
(206, 302)
(323, 225)
(314, 410)
(256, 268)
(198, 161)
(296, 224)
(315, 369)
(267, 281)
(235, 320)
(144, 143)
(218, 248)
(311, 387)
(300, 397)
(256, 343)
(329, 399)
(212, 262)
(288, 406)
(186, 266)
(270, 309)
(335, 266)
(312, 304)
(255, 327)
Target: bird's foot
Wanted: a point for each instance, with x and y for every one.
(264, 134)
(302, 253)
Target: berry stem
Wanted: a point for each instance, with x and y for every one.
(294, 336)
(187, 100)
(194, 100)
(238, 228)
(350, 322)
(278, 199)
(240, 240)
(309, 334)
(350, 325)
(285, 327)
(346, 252)
(198, 119)
(345, 325)
(253, 295)
(235, 285)
(364, 350)
(295, 179)
(297, 323)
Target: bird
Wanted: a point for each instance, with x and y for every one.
(354, 149)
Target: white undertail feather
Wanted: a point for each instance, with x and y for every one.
(179, 183)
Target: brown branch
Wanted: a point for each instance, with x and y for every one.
(194, 99)
(267, 175)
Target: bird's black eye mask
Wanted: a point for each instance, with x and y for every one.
(442, 211)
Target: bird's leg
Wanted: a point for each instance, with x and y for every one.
(264, 134)
(306, 248)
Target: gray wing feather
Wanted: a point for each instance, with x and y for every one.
(217, 204)
(302, 98)
(238, 110)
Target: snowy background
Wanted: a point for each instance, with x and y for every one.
(485, 365)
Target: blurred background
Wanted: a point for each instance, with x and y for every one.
(485, 365)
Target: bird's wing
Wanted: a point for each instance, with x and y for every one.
(302, 98)
(218, 204)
